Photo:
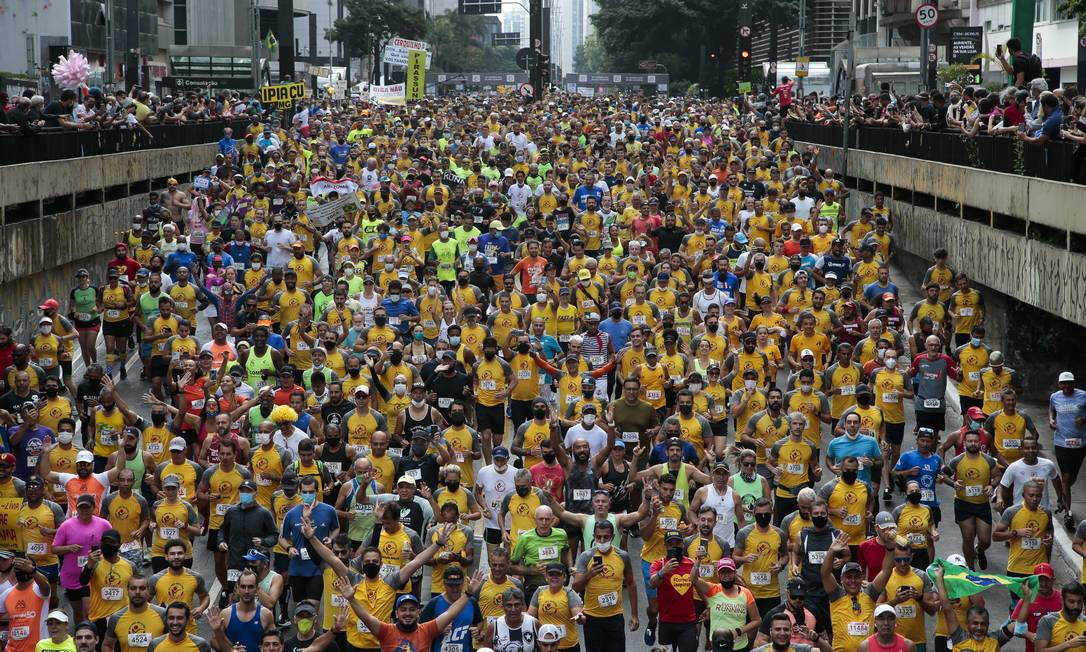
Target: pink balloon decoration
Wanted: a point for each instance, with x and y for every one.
(71, 71)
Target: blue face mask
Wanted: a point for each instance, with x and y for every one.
(309, 498)
(975, 425)
(975, 341)
(246, 497)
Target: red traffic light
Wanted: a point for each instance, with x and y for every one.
(712, 56)
(744, 54)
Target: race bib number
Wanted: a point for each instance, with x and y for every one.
(37, 549)
(491, 260)
(131, 546)
(995, 396)
(547, 553)
(48, 363)
(303, 553)
(888, 397)
(679, 495)
(1031, 543)
(524, 374)
(858, 629)
(816, 556)
(906, 610)
(233, 574)
(630, 437)
(639, 320)
(933, 403)
(334, 467)
(20, 633)
(669, 523)
(414, 474)
(596, 360)
(653, 394)
(222, 508)
(760, 579)
(917, 538)
(154, 449)
(361, 627)
(389, 569)
(851, 519)
(582, 494)
(608, 599)
(394, 452)
(1012, 443)
(973, 491)
(848, 390)
(974, 376)
(452, 647)
(112, 313)
(111, 593)
(364, 508)
(393, 321)
(181, 305)
(563, 338)
(361, 450)
(1072, 442)
(571, 399)
(794, 469)
(444, 403)
(705, 571)
(488, 385)
(143, 639)
(965, 312)
(927, 495)
(459, 457)
(718, 409)
(83, 316)
(168, 532)
(339, 601)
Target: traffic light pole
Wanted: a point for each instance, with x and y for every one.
(535, 40)
(744, 18)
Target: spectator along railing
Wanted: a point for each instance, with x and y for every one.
(57, 144)
(1055, 161)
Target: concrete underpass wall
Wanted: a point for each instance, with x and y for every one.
(62, 215)
(1035, 292)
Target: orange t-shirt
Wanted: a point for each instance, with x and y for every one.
(393, 640)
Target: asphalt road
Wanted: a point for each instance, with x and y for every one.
(950, 536)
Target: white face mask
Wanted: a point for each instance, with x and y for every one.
(65, 438)
(604, 547)
(890, 363)
(418, 403)
(472, 247)
(256, 265)
(589, 419)
(388, 267)
(823, 228)
(750, 384)
(400, 389)
(806, 389)
(540, 298)
(696, 387)
(46, 329)
(261, 437)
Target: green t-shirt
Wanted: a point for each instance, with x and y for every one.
(533, 549)
(47, 645)
(729, 612)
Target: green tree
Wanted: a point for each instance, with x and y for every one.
(591, 56)
(460, 44)
(371, 23)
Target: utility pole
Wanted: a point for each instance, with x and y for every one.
(286, 40)
(254, 42)
(802, 37)
(111, 66)
(132, 43)
(535, 42)
(850, 81)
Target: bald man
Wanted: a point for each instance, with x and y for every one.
(536, 548)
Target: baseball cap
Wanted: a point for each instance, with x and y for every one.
(453, 574)
(584, 275)
(884, 520)
(797, 227)
(795, 588)
(171, 481)
(975, 412)
(58, 616)
(500, 451)
(178, 444)
(255, 555)
(248, 485)
(1044, 570)
(406, 479)
(650, 350)
(34, 480)
(725, 563)
(956, 559)
(406, 597)
(84, 456)
(851, 566)
(885, 609)
(84, 499)
(549, 634)
(308, 606)
(49, 304)
(722, 465)
(1066, 377)
(671, 535)
(806, 353)
(888, 296)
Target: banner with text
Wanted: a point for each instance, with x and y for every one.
(416, 75)
(324, 214)
(282, 95)
(390, 94)
(321, 186)
(397, 49)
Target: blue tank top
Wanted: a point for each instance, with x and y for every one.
(245, 632)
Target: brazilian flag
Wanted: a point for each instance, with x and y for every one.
(961, 582)
(271, 44)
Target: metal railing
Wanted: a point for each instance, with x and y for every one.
(1055, 161)
(58, 144)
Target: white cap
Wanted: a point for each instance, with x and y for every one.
(84, 456)
(885, 609)
(1067, 377)
(806, 352)
(549, 634)
(57, 615)
(797, 227)
(956, 559)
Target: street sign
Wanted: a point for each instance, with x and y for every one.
(647, 64)
(507, 38)
(525, 58)
(526, 90)
(179, 84)
(803, 65)
(744, 30)
(926, 16)
(478, 7)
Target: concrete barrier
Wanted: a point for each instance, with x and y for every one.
(97, 198)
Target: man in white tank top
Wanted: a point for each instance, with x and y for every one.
(722, 498)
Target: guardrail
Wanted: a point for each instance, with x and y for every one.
(55, 145)
(1055, 161)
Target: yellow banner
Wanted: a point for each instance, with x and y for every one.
(10, 531)
(416, 74)
(282, 94)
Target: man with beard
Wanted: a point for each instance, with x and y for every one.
(176, 583)
(975, 635)
(449, 383)
(1064, 624)
(848, 607)
(768, 546)
(140, 462)
(974, 477)
(177, 638)
(407, 632)
(850, 501)
(39, 520)
(801, 622)
(129, 513)
(106, 576)
(23, 606)
(419, 465)
(493, 381)
(135, 626)
(677, 617)
(665, 515)
(764, 428)
(780, 634)
(82, 482)
(685, 474)
(74, 539)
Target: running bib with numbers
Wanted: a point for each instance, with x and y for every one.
(37, 549)
(889, 397)
(718, 409)
(596, 360)
(20, 633)
(1012, 443)
(83, 316)
(1031, 543)
(974, 376)
(488, 385)
(858, 629)
(851, 519)
(705, 571)
(168, 533)
(334, 467)
(232, 574)
(142, 639)
(154, 449)
(917, 539)
(48, 363)
(653, 394)
(582, 494)
(452, 647)
(363, 508)
(389, 569)
(669, 523)
(522, 374)
(222, 508)
(608, 599)
(181, 305)
(794, 469)
(131, 545)
(547, 553)
(848, 390)
(816, 556)
(906, 611)
(361, 627)
(965, 312)
(932, 403)
(111, 593)
(1072, 443)
(459, 457)
(414, 474)
(571, 399)
(927, 495)
(760, 579)
(630, 437)
(974, 490)
(114, 314)
(339, 601)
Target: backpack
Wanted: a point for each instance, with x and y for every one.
(1034, 69)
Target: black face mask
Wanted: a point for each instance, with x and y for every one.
(354, 372)
(452, 486)
(419, 449)
(819, 521)
(332, 442)
(549, 458)
(539, 413)
(51, 392)
(109, 550)
(158, 418)
(711, 327)
(456, 418)
(523, 348)
(686, 410)
(727, 583)
(759, 265)
(588, 394)
(371, 570)
(864, 400)
(914, 497)
(848, 476)
(489, 355)
(793, 266)
(763, 519)
(396, 357)
(523, 491)
(380, 321)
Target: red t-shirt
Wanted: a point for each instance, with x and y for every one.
(1040, 606)
(872, 552)
(393, 640)
(555, 475)
(675, 595)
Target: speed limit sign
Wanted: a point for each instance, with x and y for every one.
(926, 15)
